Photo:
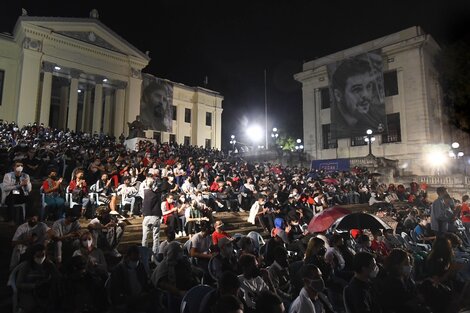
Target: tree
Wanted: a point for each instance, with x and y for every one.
(453, 66)
(286, 143)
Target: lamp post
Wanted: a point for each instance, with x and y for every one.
(233, 142)
(274, 136)
(299, 147)
(369, 139)
(454, 153)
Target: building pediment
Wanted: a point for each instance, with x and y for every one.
(86, 30)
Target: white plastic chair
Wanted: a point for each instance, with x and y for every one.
(3, 197)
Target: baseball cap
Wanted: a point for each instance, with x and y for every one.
(218, 224)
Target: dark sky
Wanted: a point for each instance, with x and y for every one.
(232, 42)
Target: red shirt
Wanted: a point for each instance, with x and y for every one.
(379, 247)
(465, 209)
(216, 236)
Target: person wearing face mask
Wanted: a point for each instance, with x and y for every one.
(37, 282)
(310, 299)
(129, 286)
(315, 254)
(359, 295)
(52, 189)
(378, 245)
(170, 214)
(219, 233)
(30, 233)
(398, 289)
(65, 234)
(79, 190)
(96, 262)
(223, 261)
(16, 190)
(253, 280)
(280, 276)
(105, 191)
(174, 275)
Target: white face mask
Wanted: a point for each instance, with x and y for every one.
(87, 243)
(19, 169)
(39, 260)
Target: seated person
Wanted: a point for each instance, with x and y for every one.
(128, 194)
(96, 263)
(194, 217)
(423, 230)
(225, 260)
(79, 191)
(280, 276)
(253, 280)
(378, 245)
(174, 275)
(128, 285)
(105, 191)
(363, 244)
(228, 284)
(163, 248)
(269, 302)
(311, 298)
(106, 230)
(16, 190)
(37, 282)
(201, 247)
(55, 202)
(65, 234)
(26, 235)
(359, 294)
(219, 233)
(170, 214)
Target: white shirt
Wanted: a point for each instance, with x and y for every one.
(331, 253)
(302, 304)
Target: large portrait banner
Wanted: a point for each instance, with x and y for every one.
(156, 104)
(357, 93)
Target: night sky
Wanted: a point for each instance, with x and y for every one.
(232, 42)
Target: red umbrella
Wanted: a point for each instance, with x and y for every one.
(330, 181)
(323, 220)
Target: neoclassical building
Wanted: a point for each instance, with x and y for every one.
(413, 105)
(76, 73)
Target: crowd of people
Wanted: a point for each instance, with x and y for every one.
(60, 265)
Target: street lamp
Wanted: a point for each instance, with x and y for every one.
(299, 147)
(369, 139)
(233, 142)
(274, 136)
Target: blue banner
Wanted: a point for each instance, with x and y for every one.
(331, 165)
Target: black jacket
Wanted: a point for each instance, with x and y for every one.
(151, 206)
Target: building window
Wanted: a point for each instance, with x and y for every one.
(393, 129)
(390, 83)
(174, 113)
(172, 138)
(2, 78)
(187, 115)
(157, 136)
(187, 140)
(208, 119)
(328, 142)
(358, 141)
(325, 98)
(208, 144)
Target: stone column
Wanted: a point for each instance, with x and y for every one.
(133, 96)
(108, 113)
(64, 98)
(73, 99)
(119, 125)
(29, 81)
(45, 111)
(87, 108)
(98, 106)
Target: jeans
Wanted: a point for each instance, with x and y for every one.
(151, 224)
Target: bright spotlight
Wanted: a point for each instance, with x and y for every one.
(369, 131)
(255, 133)
(299, 140)
(455, 145)
(437, 159)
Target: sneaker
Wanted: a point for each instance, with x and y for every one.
(184, 233)
(178, 235)
(241, 210)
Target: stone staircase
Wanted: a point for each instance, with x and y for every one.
(234, 223)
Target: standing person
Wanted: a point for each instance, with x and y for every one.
(152, 212)
(16, 189)
(465, 213)
(359, 295)
(440, 213)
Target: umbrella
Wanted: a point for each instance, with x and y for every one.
(323, 220)
(330, 181)
(360, 221)
(375, 174)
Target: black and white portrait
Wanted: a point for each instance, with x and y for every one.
(156, 104)
(357, 90)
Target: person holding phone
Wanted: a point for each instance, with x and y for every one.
(16, 190)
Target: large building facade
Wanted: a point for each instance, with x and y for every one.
(76, 73)
(416, 127)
